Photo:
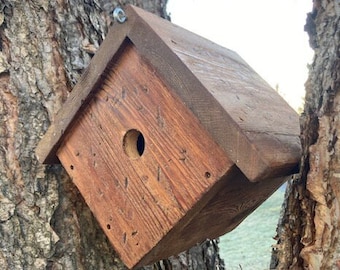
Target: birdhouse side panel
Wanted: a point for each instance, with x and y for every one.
(235, 199)
(263, 120)
(243, 106)
(231, 205)
(140, 158)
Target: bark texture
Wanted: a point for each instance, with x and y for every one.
(44, 222)
(309, 228)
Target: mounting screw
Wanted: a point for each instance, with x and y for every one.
(119, 15)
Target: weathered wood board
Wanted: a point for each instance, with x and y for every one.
(167, 134)
(140, 197)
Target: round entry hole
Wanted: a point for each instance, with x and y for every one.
(134, 143)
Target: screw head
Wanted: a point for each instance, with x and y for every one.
(119, 15)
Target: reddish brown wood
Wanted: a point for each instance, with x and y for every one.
(235, 199)
(247, 118)
(168, 133)
(80, 95)
(139, 199)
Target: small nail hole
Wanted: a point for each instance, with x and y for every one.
(108, 226)
(207, 174)
(71, 167)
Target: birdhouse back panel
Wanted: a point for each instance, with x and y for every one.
(140, 158)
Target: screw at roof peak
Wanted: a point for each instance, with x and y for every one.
(119, 15)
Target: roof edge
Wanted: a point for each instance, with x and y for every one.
(82, 92)
(144, 35)
(140, 29)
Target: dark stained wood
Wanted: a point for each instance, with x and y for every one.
(165, 134)
(234, 200)
(139, 199)
(247, 118)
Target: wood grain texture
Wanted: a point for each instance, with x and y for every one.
(249, 120)
(80, 96)
(208, 123)
(235, 199)
(232, 102)
(138, 200)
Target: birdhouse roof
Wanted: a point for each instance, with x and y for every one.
(257, 129)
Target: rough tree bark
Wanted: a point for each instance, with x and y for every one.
(309, 229)
(44, 222)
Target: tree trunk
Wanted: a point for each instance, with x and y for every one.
(44, 222)
(309, 228)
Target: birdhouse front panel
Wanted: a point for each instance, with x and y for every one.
(170, 138)
(140, 158)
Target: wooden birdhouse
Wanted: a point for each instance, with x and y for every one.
(170, 138)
